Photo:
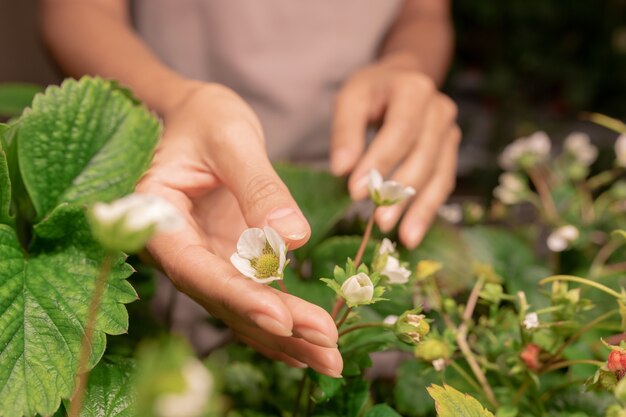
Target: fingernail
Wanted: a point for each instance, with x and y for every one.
(330, 372)
(288, 223)
(415, 235)
(340, 161)
(314, 336)
(360, 188)
(270, 324)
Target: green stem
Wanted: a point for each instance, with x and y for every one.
(344, 317)
(459, 370)
(566, 364)
(85, 347)
(543, 189)
(603, 256)
(296, 404)
(583, 281)
(364, 326)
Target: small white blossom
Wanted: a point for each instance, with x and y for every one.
(579, 146)
(395, 272)
(387, 193)
(386, 247)
(452, 213)
(561, 238)
(194, 400)
(358, 289)
(439, 364)
(531, 321)
(511, 189)
(526, 151)
(620, 150)
(390, 320)
(261, 255)
(128, 223)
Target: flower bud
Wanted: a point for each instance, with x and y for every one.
(432, 349)
(616, 363)
(530, 356)
(358, 289)
(411, 327)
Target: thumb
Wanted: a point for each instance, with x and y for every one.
(262, 196)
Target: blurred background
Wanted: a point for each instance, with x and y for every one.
(520, 66)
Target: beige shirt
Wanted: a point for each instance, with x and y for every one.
(287, 58)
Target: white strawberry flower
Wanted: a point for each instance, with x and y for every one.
(531, 321)
(387, 193)
(439, 364)
(390, 320)
(395, 272)
(511, 189)
(562, 238)
(128, 223)
(261, 255)
(386, 247)
(193, 401)
(358, 289)
(452, 213)
(526, 152)
(620, 150)
(579, 145)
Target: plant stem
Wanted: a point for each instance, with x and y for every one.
(363, 326)
(465, 376)
(582, 331)
(85, 347)
(296, 404)
(543, 189)
(581, 281)
(344, 317)
(603, 256)
(357, 260)
(282, 286)
(461, 340)
(565, 364)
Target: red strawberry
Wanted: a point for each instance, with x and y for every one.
(530, 356)
(617, 363)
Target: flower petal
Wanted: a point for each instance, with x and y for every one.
(251, 243)
(375, 180)
(243, 265)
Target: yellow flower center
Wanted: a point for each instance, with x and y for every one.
(267, 264)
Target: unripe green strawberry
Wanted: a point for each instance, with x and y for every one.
(432, 349)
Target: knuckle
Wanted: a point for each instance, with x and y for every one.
(448, 107)
(259, 188)
(422, 83)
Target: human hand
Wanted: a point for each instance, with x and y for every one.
(212, 165)
(418, 142)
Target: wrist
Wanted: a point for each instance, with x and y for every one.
(169, 92)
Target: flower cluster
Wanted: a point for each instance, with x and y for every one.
(526, 152)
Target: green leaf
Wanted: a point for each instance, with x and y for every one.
(381, 410)
(322, 198)
(452, 403)
(91, 141)
(335, 251)
(326, 387)
(43, 313)
(109, 391)
(410, 389)
(15, 97)
(5, 185)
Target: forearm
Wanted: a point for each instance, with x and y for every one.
(421, 38)
(94, 37)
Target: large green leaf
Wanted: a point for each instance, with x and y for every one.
(44, 305)
(452, 403)
(81, 142)
(15, 97)
(410, 389)
(323, 199)
(511, 257)
(109, 392)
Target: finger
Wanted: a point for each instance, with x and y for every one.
(217, 286)
(242, 164)
(351, 116)
(271, 353)
(403, 122)
(311, 322)
(327, 361)
(418, 168)
(424, 208)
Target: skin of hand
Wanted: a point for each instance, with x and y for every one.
(211, 163)
(416, 145)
